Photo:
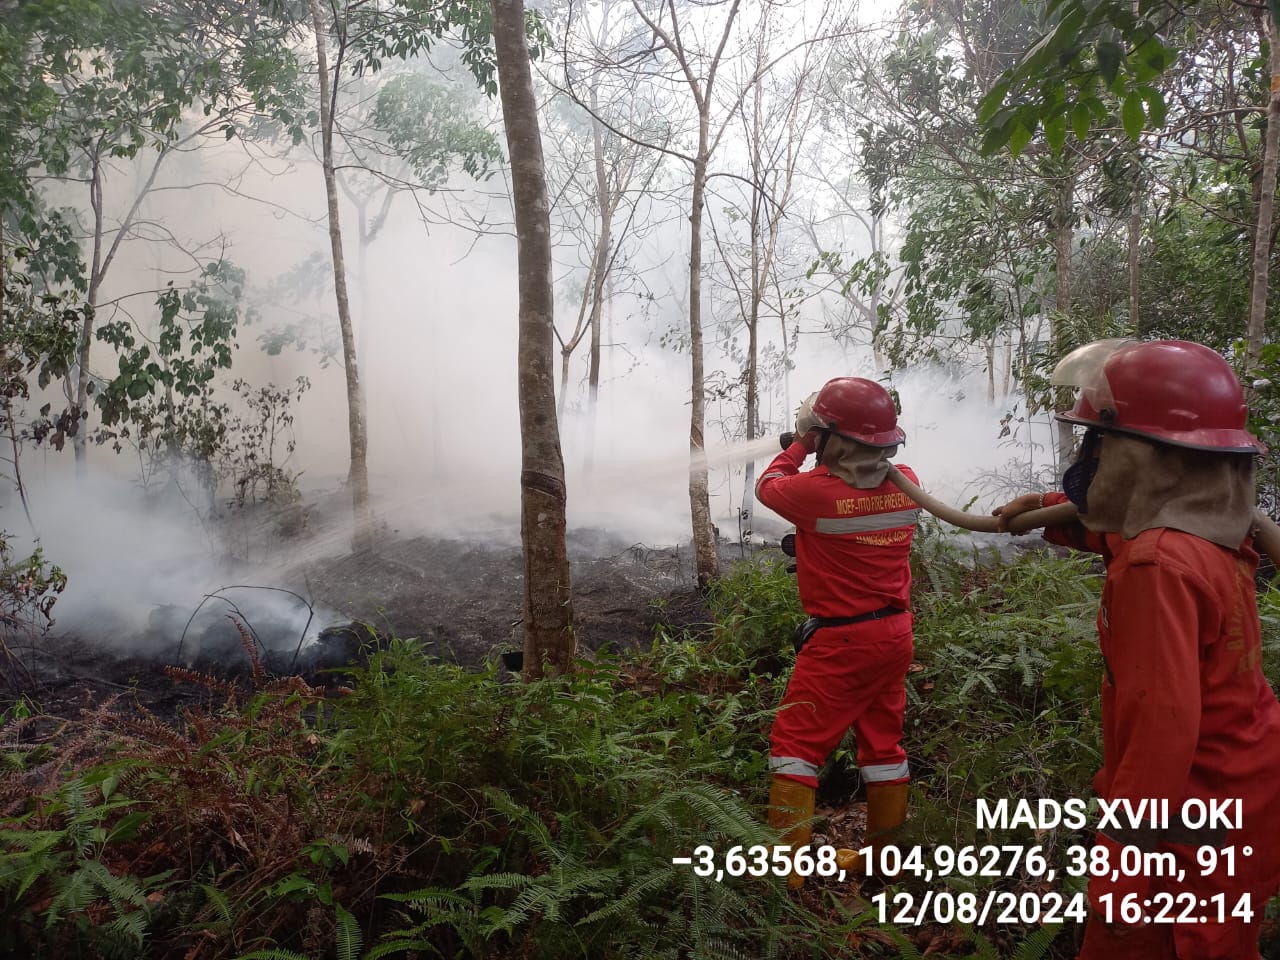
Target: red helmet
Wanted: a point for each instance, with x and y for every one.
(860, 410)
(1173, 391)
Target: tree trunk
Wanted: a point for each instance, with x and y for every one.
(877, 235)
(568, 346)
(1063, 241)
(548, 614)
(606, 203)
(1256, 330)
(81, 399)
(100, 264)
(362, 533)
(1006, 373)
(991, 369)
(706, 559)
(565, 354)
(746, 516)
(1135, 235)
(593, 357)
(701, 83)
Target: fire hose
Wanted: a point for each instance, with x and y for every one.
(1063, 513)
(1266, 533)
(1030, 520)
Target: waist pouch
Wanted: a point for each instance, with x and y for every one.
(811, 626)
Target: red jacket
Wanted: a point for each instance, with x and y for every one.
(852, 546)
(1186, 710)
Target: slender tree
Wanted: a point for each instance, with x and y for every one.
(776, 117)
(548, 612)
(1264, 231)
(699, 74)
(362, 535)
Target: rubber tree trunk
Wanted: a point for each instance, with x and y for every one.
(746, 516)
(1256, 331)
(706, 559)
(548, 613)
(362, 529)
(606, 203)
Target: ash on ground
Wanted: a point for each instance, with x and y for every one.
(463, 600)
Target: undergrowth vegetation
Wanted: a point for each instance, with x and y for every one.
(425, 810)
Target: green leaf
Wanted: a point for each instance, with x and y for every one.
(1055, 132)
(1157, 109)
(1080, 121)
(1133, 116)
(995, 138)
(1143, 72)
(992, 102)
(1109, 54)
(1019, 137)
(1053, 5)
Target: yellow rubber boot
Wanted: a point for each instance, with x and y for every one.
(791, 811)
(886, 812)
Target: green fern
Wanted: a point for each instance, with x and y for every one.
(1037, 944)
(348, 936)
(906, 949)
(220, 903)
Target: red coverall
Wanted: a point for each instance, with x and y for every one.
(1186, 713)
(852, 549)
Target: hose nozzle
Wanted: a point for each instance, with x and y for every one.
(787, 439)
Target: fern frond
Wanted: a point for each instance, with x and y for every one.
(907, 949)
(131, 926)
(394, 947)
(347, 934)
(430, 898)
(1037, 944)
(220, 903)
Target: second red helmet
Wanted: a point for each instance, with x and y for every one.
(1172, 391)
(860, 410)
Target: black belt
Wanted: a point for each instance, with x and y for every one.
(860, 618)
(811, 626)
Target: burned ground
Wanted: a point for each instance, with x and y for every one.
(463, 600)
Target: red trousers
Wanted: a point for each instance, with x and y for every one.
(851, 676)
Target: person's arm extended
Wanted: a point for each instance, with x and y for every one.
(1073, 534)
(777, 489)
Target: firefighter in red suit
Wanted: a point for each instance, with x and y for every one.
(853, 541)
(1164, 486)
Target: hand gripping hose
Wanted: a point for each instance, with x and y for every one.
(1047, 516)
(1266, 534)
